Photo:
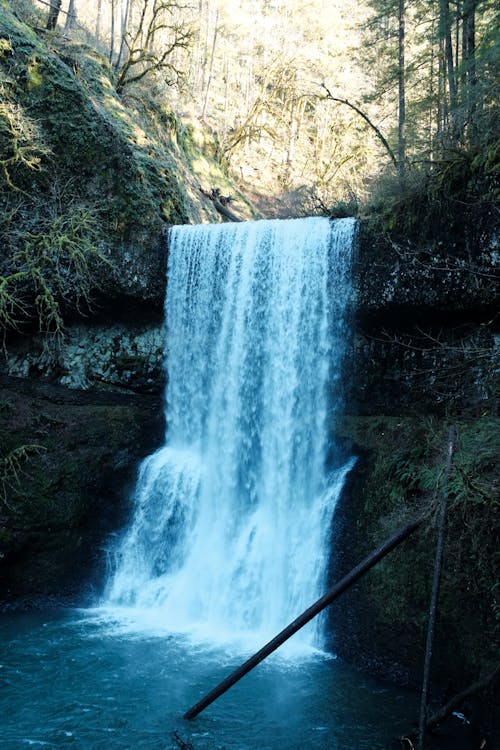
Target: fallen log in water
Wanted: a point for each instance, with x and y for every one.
(305, 617)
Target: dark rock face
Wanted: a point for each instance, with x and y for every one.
(400, 283)
(425, 334)
(431, 370)
(424, 354)
(75, 455)
(139, 277)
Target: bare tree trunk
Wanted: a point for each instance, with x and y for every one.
(204, 53)
(442, 108)
(112, 40)
(98, 20)
(431, 100)
(365, 117)
(197, 57)
(469, 60)
(445, 33)
(55, 7)
(71, 17)
(226, 94)
(209, 81)
(401, 92)
(123, 32)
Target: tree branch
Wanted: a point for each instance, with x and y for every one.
(365, 117)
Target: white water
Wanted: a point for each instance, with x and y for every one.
(229, 538)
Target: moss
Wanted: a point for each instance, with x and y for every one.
(402, 462)
(126, 159)
(67, 139)
(68, 487)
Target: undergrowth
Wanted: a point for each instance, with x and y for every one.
(456, 195)
(405, 478)
(52, 265)
(12, 467)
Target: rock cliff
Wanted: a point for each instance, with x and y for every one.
(424, 356)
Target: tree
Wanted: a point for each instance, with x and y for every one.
(401, 90)
(124, 28)
(446, 46)
(151, 43)
(70, 17)
(54, 9)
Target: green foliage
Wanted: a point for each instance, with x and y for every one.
(342, 209)
(53, 265)
(11, 305)
(405, 460)
(457, 195)
(472, 481)
(21, 146)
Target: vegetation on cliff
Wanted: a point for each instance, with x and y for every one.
(403, 461)
(88, 179)
(65, 461)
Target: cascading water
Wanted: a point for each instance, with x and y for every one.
(230, 532)
(232, 516)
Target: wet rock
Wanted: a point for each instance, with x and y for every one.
(78, 456)
(93, 356)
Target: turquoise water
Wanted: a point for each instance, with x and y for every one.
(81, 679)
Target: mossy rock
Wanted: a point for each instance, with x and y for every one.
(73, 488)
(400, 472)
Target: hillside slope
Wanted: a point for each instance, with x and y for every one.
(88, 180)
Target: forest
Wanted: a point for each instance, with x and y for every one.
(317, 106)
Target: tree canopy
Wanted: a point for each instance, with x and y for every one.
(314, 102)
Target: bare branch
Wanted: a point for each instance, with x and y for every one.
(365, 117)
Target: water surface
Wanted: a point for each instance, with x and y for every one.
(87, 680)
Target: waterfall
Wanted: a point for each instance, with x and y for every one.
(231, 523)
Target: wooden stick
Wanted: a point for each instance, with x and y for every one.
(458, 699)
(435, 590)
(304, 618)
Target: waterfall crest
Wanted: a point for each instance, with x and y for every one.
(232, 515)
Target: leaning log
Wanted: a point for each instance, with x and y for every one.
(435, 590)
(219, 206)
(348, 580)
